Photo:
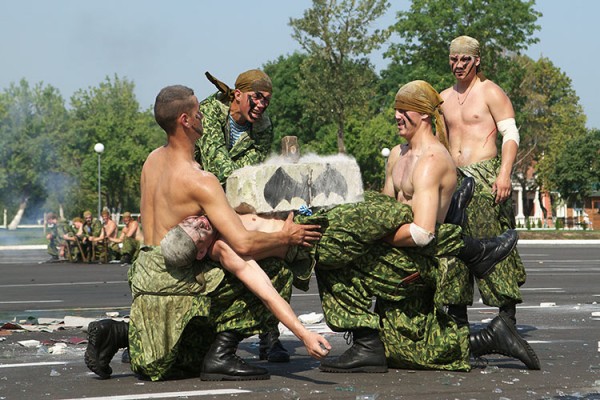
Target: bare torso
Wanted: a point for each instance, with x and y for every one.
(165, 196)
(471, 121)
(431, 160)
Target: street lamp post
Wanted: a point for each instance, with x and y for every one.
(99, 148)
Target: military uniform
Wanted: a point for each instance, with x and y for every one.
(353, 266)
(174, 315)
(213, 150)
(486, 219)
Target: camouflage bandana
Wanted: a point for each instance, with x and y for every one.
(253, 80)
(465, 45)
(421, 97)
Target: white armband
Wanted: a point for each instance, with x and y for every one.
(508, 130)
(420, 236)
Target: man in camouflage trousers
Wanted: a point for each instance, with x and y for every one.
(54, 240)
(407, 329)
(188, 313)
(237, 133)
(476, 111)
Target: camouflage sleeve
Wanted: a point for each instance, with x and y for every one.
(211, 148)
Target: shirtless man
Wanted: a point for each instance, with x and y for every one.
(108, 231)
(476, 110)
(188, 320)
(406, 329)
(129, 238)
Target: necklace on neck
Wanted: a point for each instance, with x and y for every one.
(468, 91)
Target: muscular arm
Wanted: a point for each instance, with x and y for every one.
(501, 108)
(255, 279)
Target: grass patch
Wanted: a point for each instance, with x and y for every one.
(553, 234)
(22, 236)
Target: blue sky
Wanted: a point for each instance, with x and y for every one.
(75, 44)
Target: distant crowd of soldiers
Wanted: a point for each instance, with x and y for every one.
(90, 240)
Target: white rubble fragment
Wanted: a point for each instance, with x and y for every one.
(29, 343)
(112, 313)
(548, 304)
(58, 348)
(311, 318)
(74, 321)
(596, 314)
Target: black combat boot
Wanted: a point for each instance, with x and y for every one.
(457, 213)
(366, 355)
(501, 337)
(105, 338)
(482, 255)
(222, 364)
(459, 314)
(509, 312)
(271, 349)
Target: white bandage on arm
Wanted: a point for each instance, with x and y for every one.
(421, 237)
(508, 129)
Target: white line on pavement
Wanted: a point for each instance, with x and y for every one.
(31, 301)
(63, 284)
(167, 395)
(39, 364)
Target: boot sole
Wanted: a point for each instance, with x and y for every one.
(530, 352)
(224, 377)
(366, 369)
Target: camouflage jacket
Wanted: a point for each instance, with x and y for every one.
(212, 148)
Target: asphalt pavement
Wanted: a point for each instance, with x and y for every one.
(560, 317)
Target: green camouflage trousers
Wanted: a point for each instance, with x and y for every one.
(174, 318)
(353, 267)
(131, 247)
(486, 219)
(416, 334)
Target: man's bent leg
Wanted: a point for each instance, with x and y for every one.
(237, 314)
(346, 305)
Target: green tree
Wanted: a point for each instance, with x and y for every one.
(367, 139)
(337, 78)
(550, 119)
(502, 27)
(109, 114)
(31, 122)
(577, 168)
(288, 112)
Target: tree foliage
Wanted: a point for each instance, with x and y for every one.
(109, 114)
(577, 169)
(501, 27)
(31, 123)
(550, 116)
(337, 77)
(46, 151)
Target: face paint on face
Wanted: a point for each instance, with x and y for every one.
(462, 65)
(404, 115)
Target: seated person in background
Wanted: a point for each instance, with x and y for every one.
(76, 241)
(100, 243)
(52, 237)
(128, 239)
